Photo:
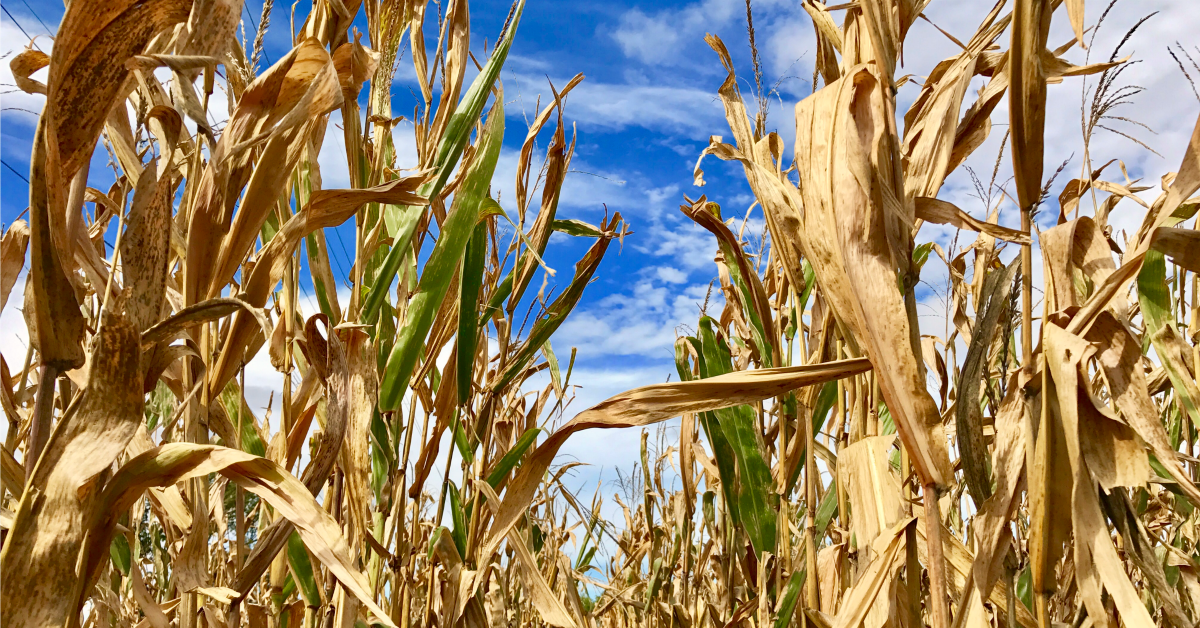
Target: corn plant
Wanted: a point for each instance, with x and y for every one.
(835, 463)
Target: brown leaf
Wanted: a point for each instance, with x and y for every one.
(968, 418)
(330, 354)
(544, 600)
(25, 64)
(990, 525)
(175, 462)
(12, 257)
(62, 495)
(1096, 560)
(872, 491)
(876, 578)
(84, 81)
(145, 247)
(648, 405)
(846, 152)
(946, 213)
(59, 328)
(1027, 99)
(931, 124)
(1120, 360)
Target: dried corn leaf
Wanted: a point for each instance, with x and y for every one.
(648, 405)
(60, 500)
(175, 462)
(12, 257)
(945, 213)
(846, 152)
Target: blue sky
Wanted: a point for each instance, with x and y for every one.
(643, 113)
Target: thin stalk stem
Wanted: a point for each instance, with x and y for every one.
(43, 417)
(939, 594)
(239, 493)
(1026, 291)
(811, 582)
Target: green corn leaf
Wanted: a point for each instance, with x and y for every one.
(576, 228)
(118, 550)
(825, 401)
(379, 472)
(537, 538)
(471, 106)
(681, 358)
(252, 443)
(1025, 588)
(1154, 295)
(585, 561)
(921, 255)
(302, 570)
(381, 440)
(450, 149)
(468, 325)
(552, 360)
(710, 509)
(887, 425)
(289, 587)
(809, 281)
(723, 454)
(750, 293)
(459, 516)
(510, 459)
(385, 336)
(655, 580)
(750, 486)
(465, 448)
(791, 595)
(433, 540)
(406, 221)
(584, 558)
(827, 510)
(444, 261)
(505, 289)
(496, 300)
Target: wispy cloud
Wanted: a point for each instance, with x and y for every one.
(640, 321)
(692, 111)
(664, 37)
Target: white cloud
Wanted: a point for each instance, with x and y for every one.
(790, 51)
(659, 106)
(687, 244)
(640, 321)
(670, 274)
(595, 385)
(660, 38)
(335, 171)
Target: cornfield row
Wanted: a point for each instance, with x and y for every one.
(1046, 476)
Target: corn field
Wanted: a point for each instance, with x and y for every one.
(835, 466)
